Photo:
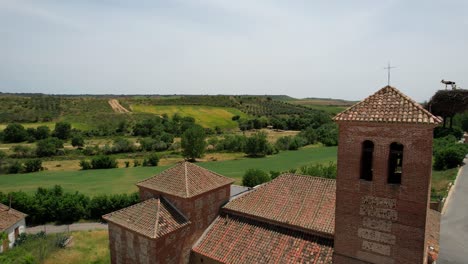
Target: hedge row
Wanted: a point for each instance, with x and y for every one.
(55, 205)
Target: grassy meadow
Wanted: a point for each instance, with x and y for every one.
(122, 180)
(87, 247)
(207, 116)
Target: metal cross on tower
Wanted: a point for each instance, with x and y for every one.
(388, 68)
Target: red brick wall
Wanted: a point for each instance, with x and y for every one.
(375, 221)
(201, 210)
(127, 246)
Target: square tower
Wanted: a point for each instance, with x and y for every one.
(383, 181)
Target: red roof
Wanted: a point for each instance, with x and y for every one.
(235, 239)
(388, 105)
(294, 200)
(152, 218)
(9, 217)
(185, 180)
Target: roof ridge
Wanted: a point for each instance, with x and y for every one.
(217, 174)
(305, 175)
(414, 102)
(186, 180)
(388, 105)
(156, 224)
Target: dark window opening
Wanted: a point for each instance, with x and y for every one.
(395, 163)
(366, 160)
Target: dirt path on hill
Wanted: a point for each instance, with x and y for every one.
(117, 107)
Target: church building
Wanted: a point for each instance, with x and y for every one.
(376, 211)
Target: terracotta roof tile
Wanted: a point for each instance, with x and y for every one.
(297, 200)
(9, 217)
(388, 105)
(152, 218)
(185, 180)
(235, 239)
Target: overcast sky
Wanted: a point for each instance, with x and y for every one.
(335, 49)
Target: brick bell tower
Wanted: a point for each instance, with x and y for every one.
(383, 182)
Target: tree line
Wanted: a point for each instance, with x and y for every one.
(55, 205)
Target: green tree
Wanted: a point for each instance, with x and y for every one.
(15, 167)
(103, 162)
(450, 156)
(152, 160)
(257, 145)
(85, 165)
(14, 133)
(48, 147)
(122, 145)
(21, 151)
(328, 134)
(42, 132)
(33, 165)
(78, 141)
(193, 142)
(447, 103)
(254, 177)
(62, 130)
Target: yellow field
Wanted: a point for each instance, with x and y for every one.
(207, 116)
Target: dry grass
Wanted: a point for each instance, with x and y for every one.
(87, 247)
(273, 135)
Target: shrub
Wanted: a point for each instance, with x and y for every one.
(136, 163)
(48, 147)
(85, 165)
(14, 133)
(328, 134)
(42, 132)
(152, 160)
(15, 167)
(103, 162)
(283, 143)
(320, 170)
(122, 145)
(21, 151)
(62, 130)
(33, 165)
(78, 141)
(445, 131)
(257, 145)
(274, 174)
(450, 156)
(127, 164)
(254, 177)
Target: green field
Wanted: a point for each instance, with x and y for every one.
(207, 116)
(123, 180)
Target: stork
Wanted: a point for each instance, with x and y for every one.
(454, 86)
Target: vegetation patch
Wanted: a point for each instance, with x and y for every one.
(207, 116)
(87, 247)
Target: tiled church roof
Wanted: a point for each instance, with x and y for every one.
(235, 239)
(9, 217)
(388, 105)
(296, 200)
(152, 218)
(185, 180)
